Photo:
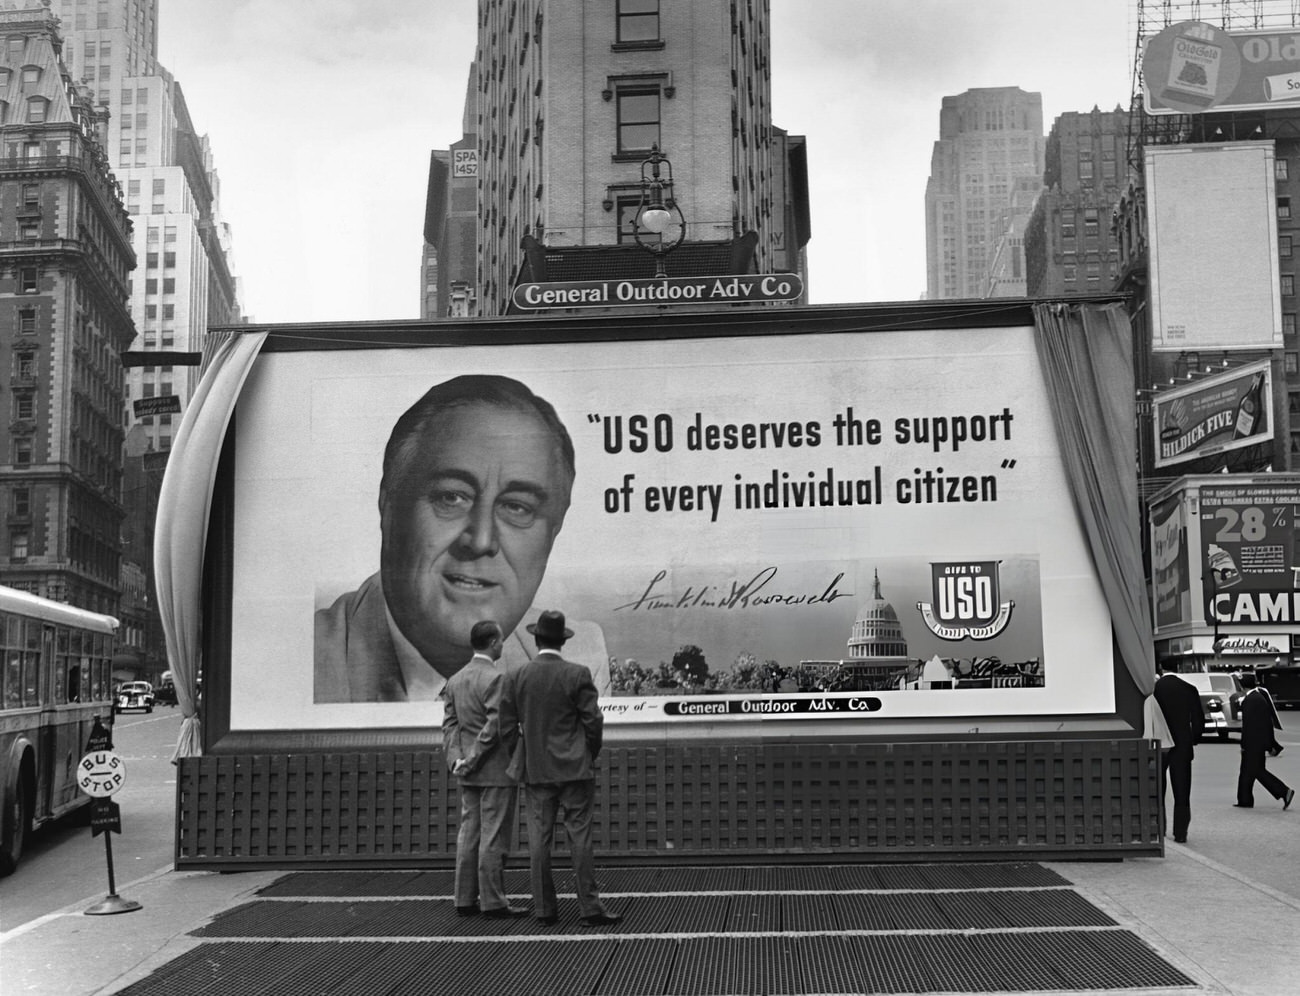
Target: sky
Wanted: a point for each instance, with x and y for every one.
(321, 115)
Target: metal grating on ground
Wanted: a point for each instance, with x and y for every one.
(708, 914)
(696, 966)
(960, 928)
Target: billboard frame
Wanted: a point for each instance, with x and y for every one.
(218, 584)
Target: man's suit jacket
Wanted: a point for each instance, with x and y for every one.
(1259, 719)
(471, 726)
(557, 709)
(1181, 703)
(355, 660)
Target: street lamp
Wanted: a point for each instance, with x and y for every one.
(657, 211)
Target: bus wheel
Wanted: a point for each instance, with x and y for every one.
(17, 821)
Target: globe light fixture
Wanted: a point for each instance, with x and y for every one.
(653, 223)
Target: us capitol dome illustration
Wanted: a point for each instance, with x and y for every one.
(877, 657)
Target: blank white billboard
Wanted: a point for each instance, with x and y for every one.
(1212, 226)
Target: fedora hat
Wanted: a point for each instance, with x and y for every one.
(550, 626)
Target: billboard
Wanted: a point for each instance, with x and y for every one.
(1249, 560)
(1218, 414)
(1212, 227)
(1192, 67)
(1170, 581)
(813, 529)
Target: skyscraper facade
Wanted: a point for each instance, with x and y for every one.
(185, 281)
(989, 138)
(64, 322)
(1069, 245)
(572, 99)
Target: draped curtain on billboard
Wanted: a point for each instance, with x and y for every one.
(1085, 356)
(183, 506)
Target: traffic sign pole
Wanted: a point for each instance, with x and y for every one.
(100, 774)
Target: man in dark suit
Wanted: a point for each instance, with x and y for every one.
(479, 756)
(556, 707)
(1258, 721)
(1181, 704)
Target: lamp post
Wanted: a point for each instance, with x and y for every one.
(657, 211)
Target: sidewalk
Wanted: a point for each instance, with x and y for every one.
(1225, 932)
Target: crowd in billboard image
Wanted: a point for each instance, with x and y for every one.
(870, 522)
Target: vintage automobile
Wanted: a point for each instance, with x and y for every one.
(133, 695)
(1221, 694)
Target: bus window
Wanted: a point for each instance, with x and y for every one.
(97, 679)
(60, 666)
(13, 678)
(32, 664)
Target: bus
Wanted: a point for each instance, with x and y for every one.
(55, 679)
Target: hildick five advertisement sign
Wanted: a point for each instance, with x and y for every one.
(793, 529)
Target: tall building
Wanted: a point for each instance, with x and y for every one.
(989, 138)
(451, 220)
(185, 283)
(1006, 275)
(573, 97)
(65, 240)
(1069, 245)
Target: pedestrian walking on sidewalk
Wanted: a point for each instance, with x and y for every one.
(478, 755)
(1181, 704)
(1258, 721)
(556, 707)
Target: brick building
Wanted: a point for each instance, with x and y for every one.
(571, 99)
(65, 256)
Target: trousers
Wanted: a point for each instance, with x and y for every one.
(487, 815)
(570, 802)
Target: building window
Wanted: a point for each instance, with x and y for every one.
(169, 285)
(1284, 208)
(31, 194)
(159, 187)
(1279, 169)
(1288, 323)
(626, 212)
(169, 312)
(1288, 284)
(638, 120)
(29, 231)
(31, 75)
(638, 20)
(169, 260)
(4, 77)
(169, 233)
(24, 407)
(1290, 363)
(151, 285)
(151, 311)
(151, 260)
(22, 502)
(22, 452)
(16, 45)
(18, 543)
(27, 278)
(1284, 246)
(27, 321)
(32, 150)
(36, 109)
(127, 94)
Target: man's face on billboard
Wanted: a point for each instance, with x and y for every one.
(468, 523)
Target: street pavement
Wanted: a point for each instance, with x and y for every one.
(1221, 912)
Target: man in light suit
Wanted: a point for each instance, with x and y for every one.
(1181, 704)
(1258, 721)
(477, 479)
(478, 755)
(556, 708)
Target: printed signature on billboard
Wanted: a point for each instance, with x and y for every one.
(733, 594)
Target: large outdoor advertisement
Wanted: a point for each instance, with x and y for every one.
(1170, 581)
(1212, 229)
(806, 529)
(1250, 564)
(1217, 414)
(1192, 67)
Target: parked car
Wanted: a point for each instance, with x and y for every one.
(1221, 694)
(134, 695)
